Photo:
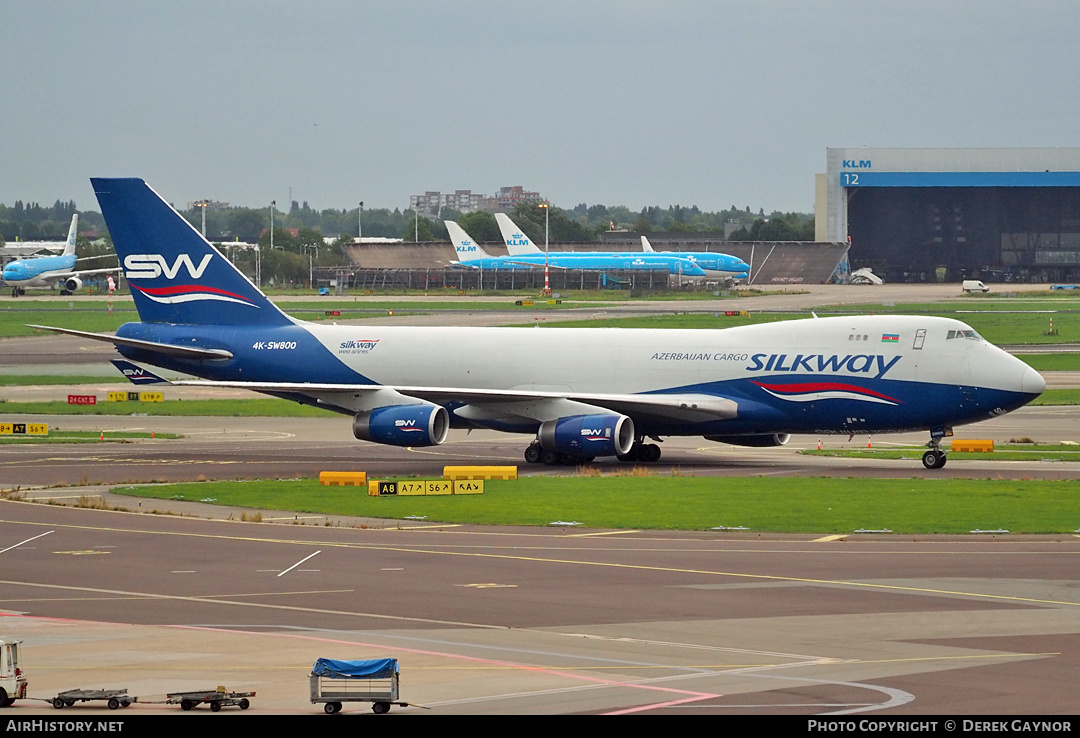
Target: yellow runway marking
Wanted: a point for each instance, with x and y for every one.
(828, 539)
(867, 586)
(602, 533)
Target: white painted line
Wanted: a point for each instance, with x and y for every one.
(604, 533)
(298, 563)
(26, 541)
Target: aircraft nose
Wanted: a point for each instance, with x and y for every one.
(1032, 382)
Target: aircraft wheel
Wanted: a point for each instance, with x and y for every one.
(533, 454)
(933, 459)
(650, 453)
(550, 458)
(634, 454)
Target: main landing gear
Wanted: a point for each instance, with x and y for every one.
(537, 454)
(646, 453)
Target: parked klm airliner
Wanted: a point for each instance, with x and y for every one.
(715, 264)
(50, 271)
(470, 254)
(580, 392)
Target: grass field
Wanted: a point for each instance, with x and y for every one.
(818, 505)
(257, 407)
(1001, 452)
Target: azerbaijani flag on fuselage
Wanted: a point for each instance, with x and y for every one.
(890, 338)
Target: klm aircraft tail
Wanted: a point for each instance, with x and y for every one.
(517, 243)
(175, 275)
(73, 232)
(646, 246)
(466, 248)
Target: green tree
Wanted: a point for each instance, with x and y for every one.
(420, 229)
(246, 224)
(481, 226)
(284, 240)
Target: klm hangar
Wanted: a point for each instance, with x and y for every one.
(932, 215)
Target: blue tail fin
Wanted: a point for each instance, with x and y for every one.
(175, 275)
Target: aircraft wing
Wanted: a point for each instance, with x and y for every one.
(81, 272)
(184, 352)
(534, 404)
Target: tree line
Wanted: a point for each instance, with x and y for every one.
(583, 223)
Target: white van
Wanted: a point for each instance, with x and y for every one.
(974, 285)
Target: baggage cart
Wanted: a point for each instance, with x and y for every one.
(374, 680)
(114, 697)
(217, 699)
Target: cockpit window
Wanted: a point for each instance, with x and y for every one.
(964, 334)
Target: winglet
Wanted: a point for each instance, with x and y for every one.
(136, 374)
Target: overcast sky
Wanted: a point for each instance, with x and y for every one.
(619, 102)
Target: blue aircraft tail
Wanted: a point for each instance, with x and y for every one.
(175, 275)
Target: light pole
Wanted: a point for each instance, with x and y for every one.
(273, 204)
(547, 283)
(416, 225)
(360, 223)
(202, 204)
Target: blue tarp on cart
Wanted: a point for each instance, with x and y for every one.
(370, 668)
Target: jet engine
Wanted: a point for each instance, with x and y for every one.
(758, 441)
(588, 435)
(72, 284)
(403, 425)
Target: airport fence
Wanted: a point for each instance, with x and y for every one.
(636, 281)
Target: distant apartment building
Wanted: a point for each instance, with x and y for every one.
(466, 201)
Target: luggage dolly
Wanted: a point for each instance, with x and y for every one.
(217, 698)
(333, 682)
(116, 697)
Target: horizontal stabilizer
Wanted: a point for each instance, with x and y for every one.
(183, 352)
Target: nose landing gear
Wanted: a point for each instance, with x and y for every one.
(935, 457)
